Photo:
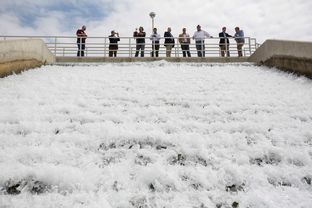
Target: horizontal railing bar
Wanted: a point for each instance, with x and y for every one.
(95, 37)
(67, 45)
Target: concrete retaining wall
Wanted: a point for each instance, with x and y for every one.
(19, 55)
(293, 56)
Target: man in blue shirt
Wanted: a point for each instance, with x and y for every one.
(240, 40)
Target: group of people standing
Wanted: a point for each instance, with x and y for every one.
(184, 40)
(224, 43)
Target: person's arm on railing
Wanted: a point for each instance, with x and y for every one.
(207, 35)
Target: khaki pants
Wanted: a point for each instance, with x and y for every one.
(225, 49)
(168, 50)
(240, 49)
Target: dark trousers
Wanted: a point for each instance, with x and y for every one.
(200, 46)
(112, 53)
(81, 48)
(155, 49)
(112, 50)
(140, 46)
(185, 50)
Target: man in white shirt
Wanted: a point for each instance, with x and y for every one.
(199, 37)
(155, 37)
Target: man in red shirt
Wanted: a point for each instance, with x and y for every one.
(81, 40)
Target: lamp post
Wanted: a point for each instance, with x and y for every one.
(152, 15)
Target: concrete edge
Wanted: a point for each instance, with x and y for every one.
(299, 66)
(290, 56)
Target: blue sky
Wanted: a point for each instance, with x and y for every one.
(29, 13)
(265, 19)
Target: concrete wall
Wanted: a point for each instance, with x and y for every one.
(293, 56)
(19, 55)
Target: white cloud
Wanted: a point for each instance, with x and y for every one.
(278, 19)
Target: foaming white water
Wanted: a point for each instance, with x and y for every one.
(155, 135)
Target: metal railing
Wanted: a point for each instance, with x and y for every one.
(99, 46)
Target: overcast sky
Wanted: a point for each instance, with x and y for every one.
(262, 19)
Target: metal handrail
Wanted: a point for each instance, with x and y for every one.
(98, 46)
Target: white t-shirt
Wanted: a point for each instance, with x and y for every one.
(155, 37)
(201, 35)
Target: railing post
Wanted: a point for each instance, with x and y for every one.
(202, 47)
(227, 50)
(55, 38)
(104, 46)
(130, 50)
(249, 46)
(178, 47)
(175, 51)
(255, 44)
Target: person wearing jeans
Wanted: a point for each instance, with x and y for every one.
(155, 37)
(185, 40)
(199, 37)
(81, 40)
(140, 41)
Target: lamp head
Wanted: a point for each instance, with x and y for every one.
(152, 14)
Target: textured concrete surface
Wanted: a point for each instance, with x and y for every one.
(18, 55)
(292, 56)
(300, 66)
(18, 66)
